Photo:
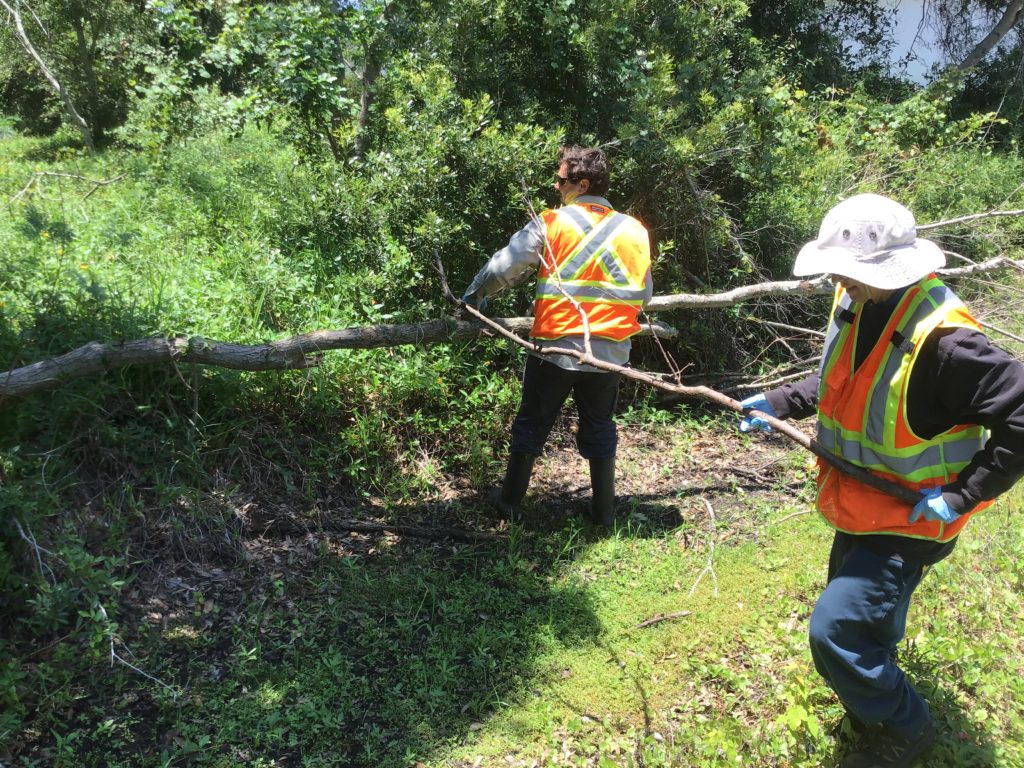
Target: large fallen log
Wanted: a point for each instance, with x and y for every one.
(295, 352)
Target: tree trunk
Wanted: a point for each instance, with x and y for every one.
(371, 72)
(19, 32)
(1009, 18)
(86, 58)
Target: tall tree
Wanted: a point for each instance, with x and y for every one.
(17, 25)
(1004, 22)
(88, 52)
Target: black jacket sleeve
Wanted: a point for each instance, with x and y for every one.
(795, 401)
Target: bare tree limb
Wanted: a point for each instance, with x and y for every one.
(1006, 22)
(818, 287)
(966, 219)
(97, 183)
(295, 352)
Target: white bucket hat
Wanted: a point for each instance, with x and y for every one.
(873, 240)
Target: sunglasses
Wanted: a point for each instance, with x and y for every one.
(560, 180)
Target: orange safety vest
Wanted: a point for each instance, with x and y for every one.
(862, 417)
(598, 257)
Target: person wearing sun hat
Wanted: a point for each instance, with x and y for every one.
(911, 389)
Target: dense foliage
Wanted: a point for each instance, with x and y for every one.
(266, 169)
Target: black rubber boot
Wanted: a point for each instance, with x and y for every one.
(602, 483)
(513, 488)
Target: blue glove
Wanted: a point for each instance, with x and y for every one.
(933, 507)
(475, 300)
(760, 403)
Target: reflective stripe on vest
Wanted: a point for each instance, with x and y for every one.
(583, 262)
(594, 248)
(862, 416)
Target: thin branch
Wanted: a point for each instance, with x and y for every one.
(114, 656)
(1007, 334)
(972, 217)
(660, 617)
(97, 183)
(709, 568)
(30, 539)
(785, 327)
(790, 516)
(818, 287)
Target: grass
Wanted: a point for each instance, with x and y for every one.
(526, 653)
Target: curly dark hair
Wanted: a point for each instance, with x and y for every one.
(586, 163)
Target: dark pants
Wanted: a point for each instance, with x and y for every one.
(545, 389)
(855, 627)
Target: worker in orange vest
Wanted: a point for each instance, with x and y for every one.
(593, 268)
(912, 390)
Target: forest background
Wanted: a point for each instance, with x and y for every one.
(175, 585)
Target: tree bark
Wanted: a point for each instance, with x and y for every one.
(295, 352)
(86, 57)
(1009, 18)
(14, 12)
(371, 72)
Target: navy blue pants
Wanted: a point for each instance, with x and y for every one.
(545, 389)
(855, 627)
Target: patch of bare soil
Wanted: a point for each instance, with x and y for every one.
(666, 475)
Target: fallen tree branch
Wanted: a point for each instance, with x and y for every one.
(819, 287)
(972, 217)
(660, 617)
(97, 183)
(296, 352)
(305, 350)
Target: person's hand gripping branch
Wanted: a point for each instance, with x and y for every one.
(476, 300)
(750, 423)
